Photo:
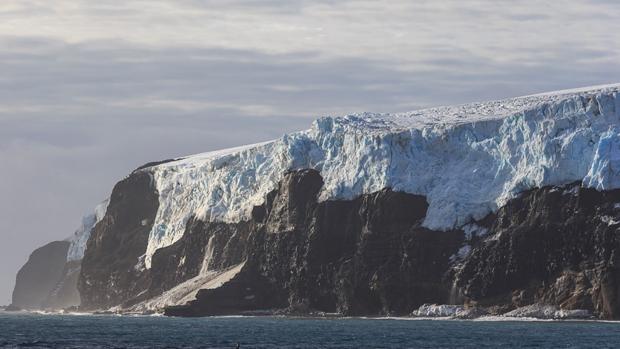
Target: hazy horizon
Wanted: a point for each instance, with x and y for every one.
(92, 91)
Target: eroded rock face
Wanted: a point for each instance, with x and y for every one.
(366, 256)
(111, 274)
(369, 256)
(45, 281)
(204, 246)
(555, 246)
(65, 294)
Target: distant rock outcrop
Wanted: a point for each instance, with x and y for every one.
(47, 280)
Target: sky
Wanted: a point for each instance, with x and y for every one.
(90, 90)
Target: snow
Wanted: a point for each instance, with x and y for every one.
(605, 171)
(539, 311)
(438, 310)
(474, 230)
(609, 220)
(532, 312)
(186, 291)
(461, 253)
(80, 237)
(467, 160)
(471, 230)
(207, 278)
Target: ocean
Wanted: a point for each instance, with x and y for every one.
(20, 330)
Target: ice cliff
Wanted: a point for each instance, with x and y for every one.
(82, 233)
(467, 160)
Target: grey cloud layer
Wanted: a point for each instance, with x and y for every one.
(89, 92)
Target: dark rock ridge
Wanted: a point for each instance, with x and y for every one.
(109, 273)
(366, 256)
(557, 246)
(47, 280)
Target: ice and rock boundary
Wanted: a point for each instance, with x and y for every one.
(467, 160)
(484, 184)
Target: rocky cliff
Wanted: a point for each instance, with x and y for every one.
(553, 245)
(367, 256)
(372, 256)
(109, 274)
(488, 206)
(47, 280)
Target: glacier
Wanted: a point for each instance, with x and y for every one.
(80, 237)
(467, 160)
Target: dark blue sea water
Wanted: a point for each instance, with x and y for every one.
(58, 331)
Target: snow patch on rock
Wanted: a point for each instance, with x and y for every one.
(437, 310)
(80, 237)
(186, 291)
(609, 220)
(533, 311)
(539, 311)
(461, 253)
(472, 230)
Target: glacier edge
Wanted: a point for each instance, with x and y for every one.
(467, 160)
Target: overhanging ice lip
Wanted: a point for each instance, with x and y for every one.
(467, 160)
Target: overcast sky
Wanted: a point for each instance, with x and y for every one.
(90, 90)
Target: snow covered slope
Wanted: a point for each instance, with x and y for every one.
(80, 237)
(467, 160)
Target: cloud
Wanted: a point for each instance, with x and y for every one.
(91, 91)
(393, 30)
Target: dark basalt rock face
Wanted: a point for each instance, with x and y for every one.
(154, 163)
(364, 256)
(556, 246)
(222, 244)
(42, 282)
(65, 294)
(367, 256)
(109, 274)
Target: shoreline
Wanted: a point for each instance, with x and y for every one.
(487, 318)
